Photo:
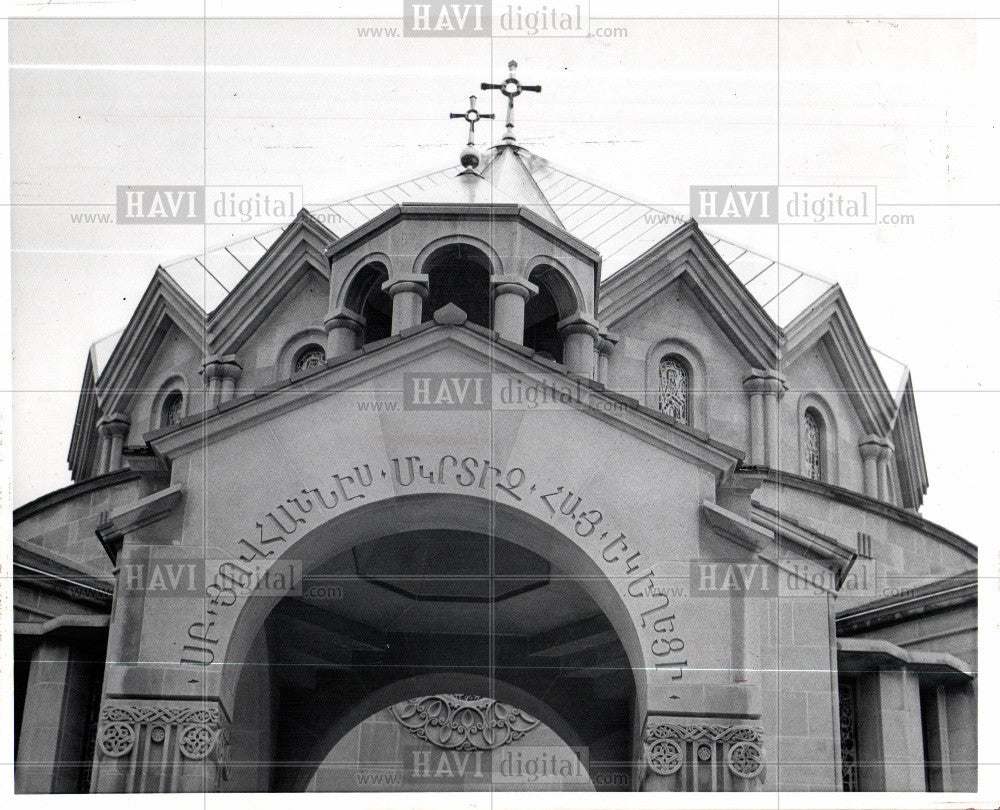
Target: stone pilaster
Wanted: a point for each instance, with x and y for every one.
(510, 293)
(344, 330)
(408, 295)
(579, 333)
(221, 373)
(54, 711)
(765, 389)
(890, 739)
(161, 746)
(702, 755)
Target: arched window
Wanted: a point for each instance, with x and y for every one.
(308, 358)
(172, 409)
(814, 440)
(674, 392)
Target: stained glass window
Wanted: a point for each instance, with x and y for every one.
(813, 445)
(675, 388)
(309, 358)
(173, 409)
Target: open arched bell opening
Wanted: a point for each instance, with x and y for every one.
(415, 613)
(459, 274)
(366, 297)
(543, 311)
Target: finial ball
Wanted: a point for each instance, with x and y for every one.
(470, 157)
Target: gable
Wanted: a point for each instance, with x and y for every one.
(676, 321)
(813, 379)
(688, 253)
(295, 318)
(832, 321)
(298, 251)
(174, 362)
(164, 304)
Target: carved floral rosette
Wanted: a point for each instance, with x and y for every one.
(195, 732)
(667, 746)
(463, 722)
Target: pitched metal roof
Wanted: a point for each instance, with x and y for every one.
(620, 228)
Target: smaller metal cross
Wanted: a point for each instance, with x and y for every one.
(472, 115)
(511, 88)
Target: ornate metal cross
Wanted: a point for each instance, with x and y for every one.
(511, 88)
(471, 115)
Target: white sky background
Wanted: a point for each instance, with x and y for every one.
(908, 105)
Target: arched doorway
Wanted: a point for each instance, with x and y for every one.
(433, 595)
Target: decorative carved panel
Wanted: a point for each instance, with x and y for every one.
(706, 757)
(463, 722)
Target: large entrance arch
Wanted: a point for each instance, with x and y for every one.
(426, 595)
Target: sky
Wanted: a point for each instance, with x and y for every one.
(909, 106)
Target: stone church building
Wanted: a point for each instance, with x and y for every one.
(493, 479)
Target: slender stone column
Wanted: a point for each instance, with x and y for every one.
(765, 388)
(104, 461)
(221, 372)
(510, 293)
(114, 430)
(884, 459)
(605, 345)
(408, 295)
(579, 333)
(344, 329)
(772, 397)
(871, 448)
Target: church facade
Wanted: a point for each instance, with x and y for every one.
(493, 479)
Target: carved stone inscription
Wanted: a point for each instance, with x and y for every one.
(573, 513)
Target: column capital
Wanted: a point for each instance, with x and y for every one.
(872, 446)
(513, 285)
(607, 341)
(418, 283)
(114, 423)
(579, 323)
(222, 366)
(765, 381)
(343, 318)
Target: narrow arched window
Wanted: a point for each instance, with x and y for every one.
(308, 358)
(172, 410)
(675, 388)
(814, 439)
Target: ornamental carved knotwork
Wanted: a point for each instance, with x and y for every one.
(463, 722)
(741, 747)
(746, 760)
(198, 728)
(665, 757)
